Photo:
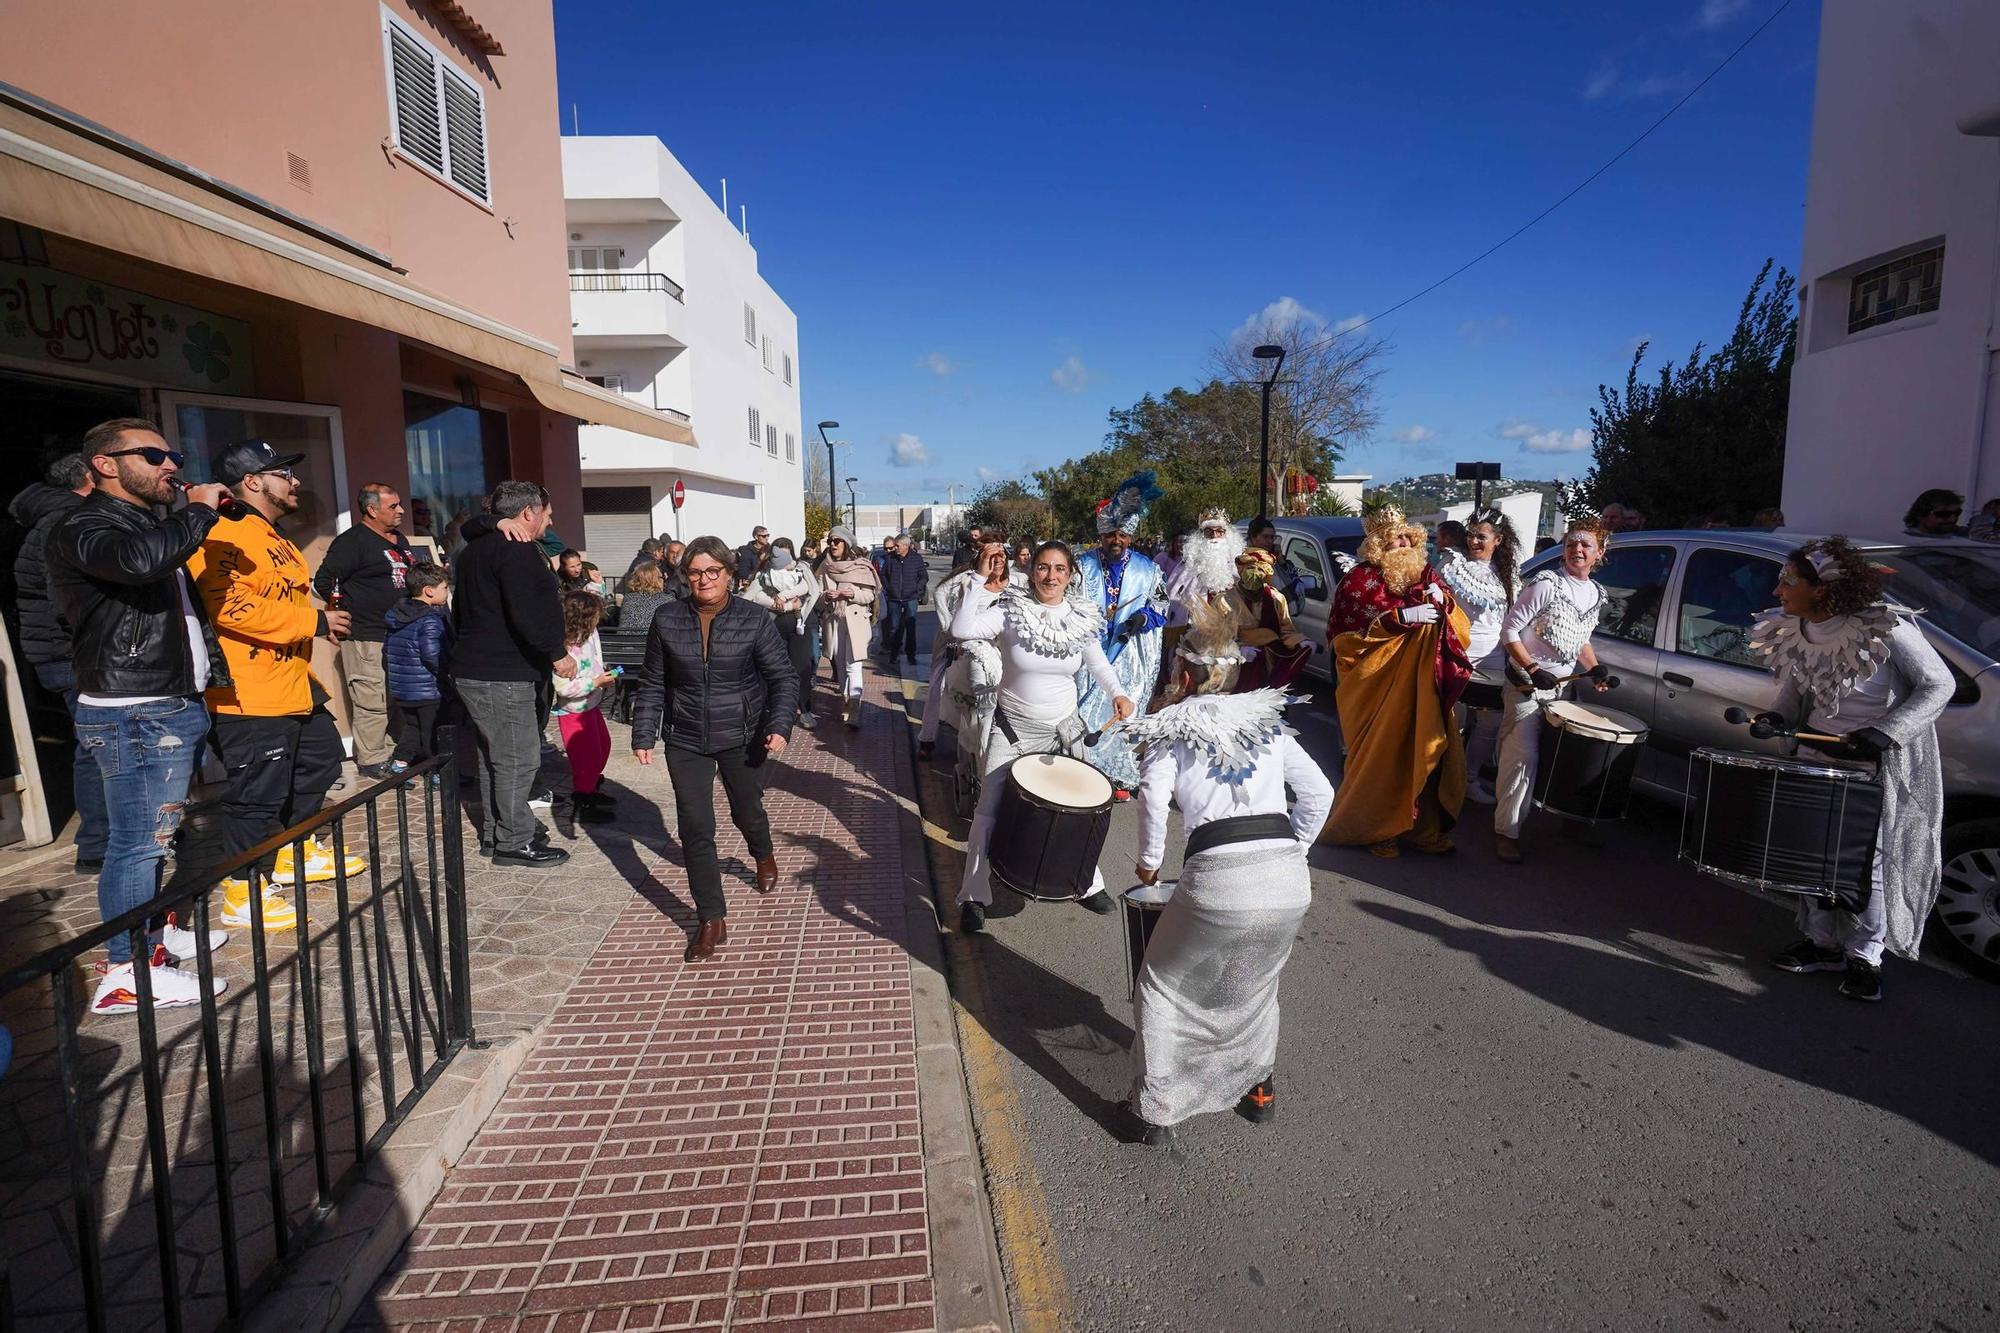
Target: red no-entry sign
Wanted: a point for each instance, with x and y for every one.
(680, 493)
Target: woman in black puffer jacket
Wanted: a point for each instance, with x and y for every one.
(719, 690)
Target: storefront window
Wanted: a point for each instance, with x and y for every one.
(457, 455)
(202, 427)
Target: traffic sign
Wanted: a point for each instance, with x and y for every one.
(680, 493)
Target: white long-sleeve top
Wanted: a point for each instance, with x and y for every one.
(1524, 621)
(796, 582)
(1038, 679)
(1179, 774)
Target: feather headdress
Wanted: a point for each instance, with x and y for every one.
(1233, 732)
(1128, 504)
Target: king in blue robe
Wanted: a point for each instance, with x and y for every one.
(1132, 593)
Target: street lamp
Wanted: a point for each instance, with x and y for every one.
(1267, 352)
(853, 512)
(832, 495)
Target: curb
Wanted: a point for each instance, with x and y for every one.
(332, 1278)
(969, 1281)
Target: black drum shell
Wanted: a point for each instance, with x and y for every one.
(1483, 691)
(1801, 828)
(1581, 777)
(1141, 920)
(1042, 850)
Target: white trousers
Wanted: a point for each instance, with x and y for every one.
(1857, 934)
(851, 683)
(934, 699)
(1036, 738)
(1485, 737)
(1520, 750)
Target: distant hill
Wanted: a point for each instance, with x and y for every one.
(1434, 490)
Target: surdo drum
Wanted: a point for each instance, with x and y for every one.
(1050, 827)
(1804, 826)
(1143, 905)
(1588, 754)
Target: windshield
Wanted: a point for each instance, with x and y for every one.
(1956, 587)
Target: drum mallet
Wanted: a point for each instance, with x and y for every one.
(1764, 731)
(1610, 682)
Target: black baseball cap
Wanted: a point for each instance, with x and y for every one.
(238, 461)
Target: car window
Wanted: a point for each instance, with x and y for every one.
(1722, 594)
(1635, 582)
(1302, 554)
(1956, 587)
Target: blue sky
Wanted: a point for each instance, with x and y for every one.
(996, 224)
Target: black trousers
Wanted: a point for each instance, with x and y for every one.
(693, 775)
(280, 769)
(415, 728)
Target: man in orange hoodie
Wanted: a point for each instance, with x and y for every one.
(278, 742)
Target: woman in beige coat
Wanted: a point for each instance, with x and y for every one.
(851, 590)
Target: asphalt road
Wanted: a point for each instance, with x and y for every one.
(1571, 1094)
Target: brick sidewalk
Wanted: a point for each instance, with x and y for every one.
(726, 1144)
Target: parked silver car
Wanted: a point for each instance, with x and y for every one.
(1322, 549)
(1675, 629)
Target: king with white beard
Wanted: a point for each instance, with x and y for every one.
(1208, 564)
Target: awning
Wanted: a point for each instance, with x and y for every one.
(71, 185)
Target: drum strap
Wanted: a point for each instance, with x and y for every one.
(1006, 727)
(1237, 828)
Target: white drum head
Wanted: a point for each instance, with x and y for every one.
(1154, 895)
(1058, 780)
(1600, 724)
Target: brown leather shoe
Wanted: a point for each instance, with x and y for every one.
(704, 941)
(767, 873)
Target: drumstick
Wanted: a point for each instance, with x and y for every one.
(1764, 731)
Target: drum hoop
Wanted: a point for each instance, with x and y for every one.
(1102, 804)
(1777, 763)
(1636, 734)
(1755, 882)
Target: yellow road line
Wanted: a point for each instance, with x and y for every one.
(1035, 1278)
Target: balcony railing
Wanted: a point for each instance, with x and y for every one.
(623, 281)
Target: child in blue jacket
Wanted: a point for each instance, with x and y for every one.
(413, 659)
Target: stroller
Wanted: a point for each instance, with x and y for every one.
(971, 691)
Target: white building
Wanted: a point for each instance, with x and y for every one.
(1896, 386)
(669, 309)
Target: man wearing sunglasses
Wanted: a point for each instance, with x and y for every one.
(278, 742)
(144, 654)
(1935, 513)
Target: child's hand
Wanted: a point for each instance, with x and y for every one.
(607, 679)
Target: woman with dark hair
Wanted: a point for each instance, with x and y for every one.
(1044, 639)
(1484, 580)
(1023, 561)
(719, 690)
(850, 589)
(1851, 664)
(577, 574)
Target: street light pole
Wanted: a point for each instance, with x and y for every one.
(833, 497)
(853, 509)
(1267, 352)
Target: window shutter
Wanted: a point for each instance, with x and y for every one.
(791, 447)
(415, 72)
(788, 367)
(749, 326)
(756, 429)
(465, 132)
(771, 440)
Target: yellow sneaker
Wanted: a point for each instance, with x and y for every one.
(278, 914)
(319, 864)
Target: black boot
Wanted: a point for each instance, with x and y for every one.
(1260, 1105)
(972, 918)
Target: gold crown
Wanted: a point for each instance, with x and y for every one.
(1385, 522)
(1213, 514)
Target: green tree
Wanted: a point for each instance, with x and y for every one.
(1012, 508)
(1706, 437)
(817, 521)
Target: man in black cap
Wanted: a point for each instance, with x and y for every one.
(277, 739)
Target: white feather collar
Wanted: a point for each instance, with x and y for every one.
(1841, 653)
(1475, 584)
(1055, 631)
(1233, 731)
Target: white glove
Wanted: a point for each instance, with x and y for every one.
(1436, 593)
(1418, 615)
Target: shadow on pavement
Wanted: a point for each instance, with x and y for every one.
(1051, 1025)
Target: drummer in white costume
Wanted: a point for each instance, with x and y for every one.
(1546, 636)
(1205, 1008)
(1849, 664)
(1045, 639)
(989, 567)
(1483, 580)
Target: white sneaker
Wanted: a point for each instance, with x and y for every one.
(183, 944)
(542, 800)
(1478, 791)
(118, 993)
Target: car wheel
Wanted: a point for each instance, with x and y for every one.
(1968, 905)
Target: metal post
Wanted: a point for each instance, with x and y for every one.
(1264, 457)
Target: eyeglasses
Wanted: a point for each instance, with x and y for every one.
(706, 573)
(153, 455)
(1946, 513)
(284, 473)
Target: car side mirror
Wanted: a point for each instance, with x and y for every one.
(1310, 588)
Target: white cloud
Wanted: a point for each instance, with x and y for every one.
(987, 476)
(1602, 80)
(1072, 376)
(1414, 435)
(1538, 441)
(937, 363)
(1280, 317)
(1716, 13)
(1350, 324)
(906, 450)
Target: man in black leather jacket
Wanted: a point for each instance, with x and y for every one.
(717, 668)
(144, 654)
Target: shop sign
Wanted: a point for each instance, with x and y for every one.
(52, 316)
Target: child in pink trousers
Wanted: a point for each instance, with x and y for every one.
(579, 717)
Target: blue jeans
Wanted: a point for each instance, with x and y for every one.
(60, 678)
(147, 754)
(899, 627)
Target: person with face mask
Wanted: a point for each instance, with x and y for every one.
(1274, 653)
(1399, 641)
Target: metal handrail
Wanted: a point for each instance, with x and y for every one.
(437, 991)
(625, 280)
